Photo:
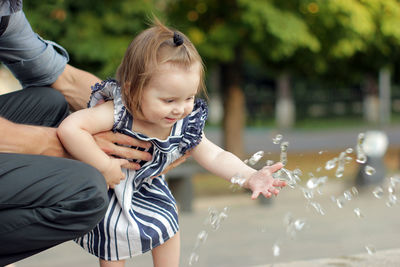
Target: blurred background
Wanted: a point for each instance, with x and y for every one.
(312, 68)
(317, 72)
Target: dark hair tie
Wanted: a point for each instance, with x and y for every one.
(178, 40)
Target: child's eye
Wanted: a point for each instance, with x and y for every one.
(190, 98)
(168, 100)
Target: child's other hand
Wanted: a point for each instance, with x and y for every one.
(113, 173)
(262, 182)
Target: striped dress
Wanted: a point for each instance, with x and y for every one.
(142, 213)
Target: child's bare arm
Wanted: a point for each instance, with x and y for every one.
(226, 165)
(76, 131)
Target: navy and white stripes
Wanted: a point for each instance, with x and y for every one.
(142, 213)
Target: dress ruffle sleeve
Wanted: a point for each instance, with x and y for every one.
(109, 90)
(194, 126)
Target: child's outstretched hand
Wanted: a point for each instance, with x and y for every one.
(262, 182)
(113, 173)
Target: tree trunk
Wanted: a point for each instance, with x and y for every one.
(371, 99)
(234, 108)
(384, 96)
(285, 110)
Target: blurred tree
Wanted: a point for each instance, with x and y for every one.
(95, 33)
(359, 39)
(233, 32)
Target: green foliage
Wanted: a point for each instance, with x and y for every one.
(331, 39)
(95, 33)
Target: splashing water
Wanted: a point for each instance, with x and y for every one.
(378, 192)
(291, 177)
(277, 139)
(370, 249)
(201, 238)
(369, 170)
(237, 181)
(318, 208)
(341, 162)
(276, 250)
(330, 164)
(284, 147)
(194, 258)
(358, 213)
(256, 158)
(361, 156)
(315, 182)
(269, 162)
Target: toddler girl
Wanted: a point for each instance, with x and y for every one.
(153, 99)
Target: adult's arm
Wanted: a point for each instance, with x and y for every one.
(75, 84)
(29, 139)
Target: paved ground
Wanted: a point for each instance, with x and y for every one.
(250, 231)
(247, 236)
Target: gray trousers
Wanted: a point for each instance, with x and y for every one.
(44, 201)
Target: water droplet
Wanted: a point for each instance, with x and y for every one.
(312, 183)
(340, 202)
(357, 211)
(299, 224)
(276, 251)
(341, 162)
(194, 257)
(308, 194)
(318, 169)
(269, 162)
(277, 139)
(256, 157)
(370, 249)
(297, 172)
(317, 207)
(288, 218)
(394, 180)
(321, 152)
(349, 150)
(202, 236)
(369, 170)
(283, 158)
(347, 195)
(391, 189)
(378, 192)
(354, 191)
(361, 157)
(330, 164)
(392, 200)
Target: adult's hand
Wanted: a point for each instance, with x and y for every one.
(116, 144)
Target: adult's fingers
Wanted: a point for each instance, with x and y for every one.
(108, 141)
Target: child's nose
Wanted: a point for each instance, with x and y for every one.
(178, 109)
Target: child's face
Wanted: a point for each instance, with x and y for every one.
(170, 94)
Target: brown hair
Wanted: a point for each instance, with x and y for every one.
(146, 52)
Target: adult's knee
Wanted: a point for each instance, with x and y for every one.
(36, 105)
(92, 199)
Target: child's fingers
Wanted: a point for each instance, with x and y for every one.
(267, 194)
(279, 183)
(274, 191)
(255, 194)
(273, 168)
